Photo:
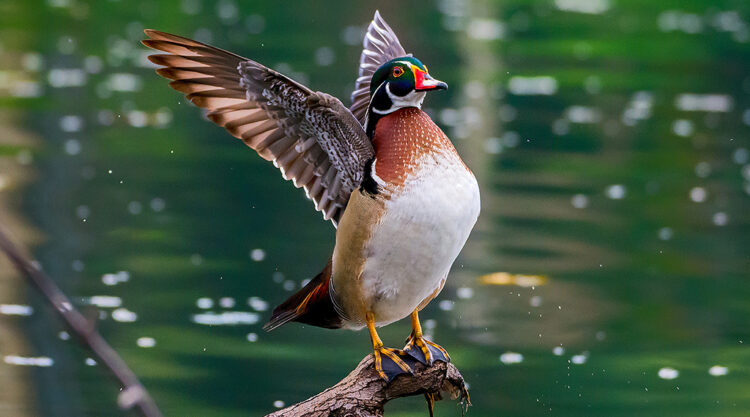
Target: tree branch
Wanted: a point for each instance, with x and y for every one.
(133, 393)
(364, 394)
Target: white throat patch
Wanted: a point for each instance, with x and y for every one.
(413, 99)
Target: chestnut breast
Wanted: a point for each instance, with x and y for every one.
(402, 139)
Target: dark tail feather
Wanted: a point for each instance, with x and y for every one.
(310, 305)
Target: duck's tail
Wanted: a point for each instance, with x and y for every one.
(310, 305)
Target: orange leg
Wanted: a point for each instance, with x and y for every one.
(389, 363)
(422, 349)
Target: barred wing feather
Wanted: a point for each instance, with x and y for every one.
(310, 136)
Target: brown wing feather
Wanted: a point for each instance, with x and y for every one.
(311, 137)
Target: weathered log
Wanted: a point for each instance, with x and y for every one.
(364, 394)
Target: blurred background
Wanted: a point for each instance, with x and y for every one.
(610, 139)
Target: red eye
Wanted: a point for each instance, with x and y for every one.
(398, 71)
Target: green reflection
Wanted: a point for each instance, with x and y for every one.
(593, 185)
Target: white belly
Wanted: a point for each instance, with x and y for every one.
(418, 238)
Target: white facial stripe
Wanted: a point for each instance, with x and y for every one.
(374, 93)
(391, 110)
(413, 99)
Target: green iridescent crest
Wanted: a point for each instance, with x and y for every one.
(399, 79)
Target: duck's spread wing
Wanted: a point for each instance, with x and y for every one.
(310, 136)
(379, 46)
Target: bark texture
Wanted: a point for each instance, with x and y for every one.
(363, 394)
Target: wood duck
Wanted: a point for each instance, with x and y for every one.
(381, 171)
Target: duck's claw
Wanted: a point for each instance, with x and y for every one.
(425, 351)
(390, 363)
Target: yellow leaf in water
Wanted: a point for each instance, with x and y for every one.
(505, 278)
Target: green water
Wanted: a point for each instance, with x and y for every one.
(622, 175)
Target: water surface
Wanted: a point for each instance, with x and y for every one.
(610, 140)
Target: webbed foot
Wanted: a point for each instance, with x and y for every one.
(390, 363)
(425, 351)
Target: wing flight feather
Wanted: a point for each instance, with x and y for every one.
(310, 136)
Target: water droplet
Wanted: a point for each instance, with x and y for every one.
(493, 146)
(146, 342)
(123, 315)
(524, 86)
(227, 318)
(41, 361)
(83, 212)
(698, 194)
(703, 169)
(718, 370)
(720, 218)
(579, 201)
(510, 358)
(226, 302)
(157, 204)
(135, 207)
(579, 359)
(257, 304)
(485, 29)
(72, 147)
(583, 6)
(665, 233)
(16, 310)
(668, 373)
(740, 156)
(704, 102)
(257, 255)
(103, 301)
(583, 114)
(465, 293)
(66, 77)
(71, 123)
(204, 303)
(616, 191)
(324, 56)
(227, 11)
(535, 301)
(137, 118)
(93, 64)
(683, 127)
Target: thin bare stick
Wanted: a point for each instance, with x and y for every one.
(364, 394)
(133, 393)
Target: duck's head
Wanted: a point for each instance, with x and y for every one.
(401, 82)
